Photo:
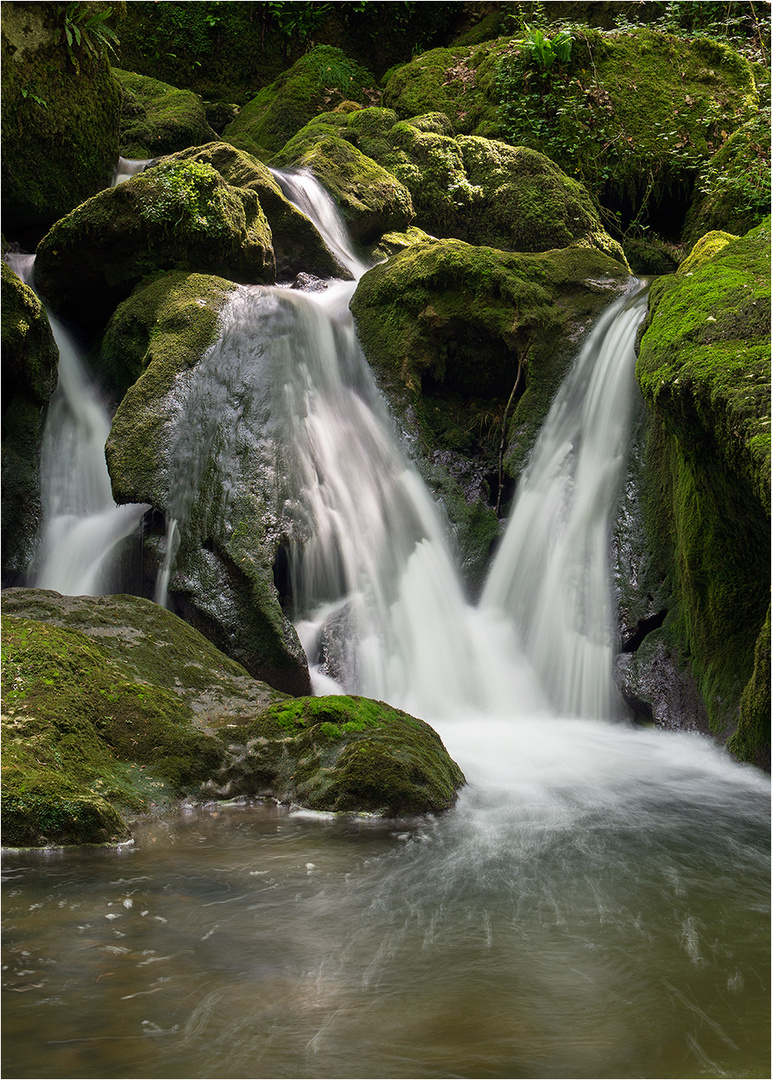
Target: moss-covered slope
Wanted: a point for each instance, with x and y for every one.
(704, 372)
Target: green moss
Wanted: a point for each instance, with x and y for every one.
(704, 371)
(733, 190)
(180, 215)
(60, 127)
(296, 243)
(170, 319)
(703, 251)
(323, 77)
(157, 118)
(344, 754)
(70, 716)
(474, 189)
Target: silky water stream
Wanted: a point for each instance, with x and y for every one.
(597, 905)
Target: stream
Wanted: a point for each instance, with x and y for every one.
(597, 904)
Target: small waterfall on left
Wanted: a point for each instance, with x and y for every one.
(82, 528)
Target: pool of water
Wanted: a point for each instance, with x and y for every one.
(600, 911)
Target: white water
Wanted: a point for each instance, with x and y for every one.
(82, 528)
(595, 906)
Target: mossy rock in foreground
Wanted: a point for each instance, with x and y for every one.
(342, 754)
(110, 709)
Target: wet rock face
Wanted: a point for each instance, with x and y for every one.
(194, 434)
(703, 369)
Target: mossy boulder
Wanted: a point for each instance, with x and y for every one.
(176, 216)
(704, 372)
(297, 245)
(471, 188)
(317, 82)
(342, 754)
(733, 190)
(191, 433)
(371, 200)
(109, 711)
(470, 345)
(30, 363)
(634, 114)
(60, 123)
(158, 119)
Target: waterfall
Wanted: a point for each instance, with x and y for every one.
(82, 528)
(385, 613)
(551, 574)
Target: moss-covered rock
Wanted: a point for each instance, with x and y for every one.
(191, 434)
(318, 81)
(107, 707)
(733, 190)
(704, 372)
(298, 247)
(60, 123)
(176, 216)
(30, 362)
(343, 754)
(634, 114)
(157, 118)
(470, 345)
(372, 201)
(474, 189)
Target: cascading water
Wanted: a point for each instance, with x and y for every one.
(596, 906)
(551, 574)
(82, 528)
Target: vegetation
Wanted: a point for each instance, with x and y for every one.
(85, 33)
(704, 371)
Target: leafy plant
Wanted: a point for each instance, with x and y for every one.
(545, 51)
(85, 33)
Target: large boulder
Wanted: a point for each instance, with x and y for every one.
(297, 245)
(30, 362)
(60, 117)
(158, 119)
(114, 708)
(176, 216)
(632, 114)
(474, 189)
(104, 713)
(317, 82)
(191, 434)
(342, 754)
(372, 200)
(704, 372)
(470, 345)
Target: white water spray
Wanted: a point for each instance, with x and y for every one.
(82, 528)
(551, 574)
